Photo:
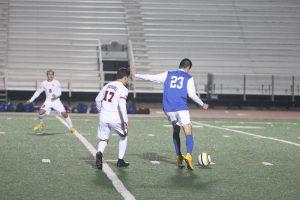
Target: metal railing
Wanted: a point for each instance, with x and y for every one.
(254, 84)
(131, 64)
(100, 63)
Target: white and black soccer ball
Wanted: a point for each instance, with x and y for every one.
(204, 159)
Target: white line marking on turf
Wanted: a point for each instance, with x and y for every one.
(227, 136)
(46, 160)
(111, 161)
(151, 135)
(117, 183)
(194, 126)
(155, 162)
(244, 127)
(298, 137)
(2, 133)
(267, 163)
(250, 134)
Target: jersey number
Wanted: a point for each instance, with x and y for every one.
(176, 82)
(111, 96)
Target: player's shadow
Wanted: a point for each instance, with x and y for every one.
(189, 179)
(152, 156)
(48, 133)
(89, 161)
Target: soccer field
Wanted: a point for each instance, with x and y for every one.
(254, 159)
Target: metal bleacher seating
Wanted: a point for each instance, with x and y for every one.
(228, 39)
(63, 36)
(234, 40)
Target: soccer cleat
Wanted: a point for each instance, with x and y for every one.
(99, 162)
(189, 161)
(73, 130)
(122, 163)
(179, 160)
(38, 127)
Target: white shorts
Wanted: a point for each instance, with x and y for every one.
(104, 130)
(181, 117)
(53, 105)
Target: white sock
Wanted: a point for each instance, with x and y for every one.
(41, 118)
(101, 146)
(69, 121)
(122, 147)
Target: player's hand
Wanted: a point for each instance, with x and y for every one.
(133, 70)
(28, 101)
(126, 125)
(205, 106)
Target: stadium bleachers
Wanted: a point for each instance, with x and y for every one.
(230, 39)
(225, 37)
(62, 35)
(3, 47)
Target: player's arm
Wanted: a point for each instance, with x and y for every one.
(98, 100)
(192, 93)
(123, 110)
(158, 78)
(37, 93)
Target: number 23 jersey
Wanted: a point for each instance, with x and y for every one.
(175, 96)
(111, 97)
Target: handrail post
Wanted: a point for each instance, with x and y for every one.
(293, 89)
(244, 88)
(100, 63)
(131, 64)
(272, 97)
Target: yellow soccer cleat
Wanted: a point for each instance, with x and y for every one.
(38, 127)
(179, 161)
(73, 130)
(189, 161)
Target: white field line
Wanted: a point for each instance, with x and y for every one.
(194, 126)
(2, 133)
(267, 163)
(249, 134)
(244, 127)
(117, 183)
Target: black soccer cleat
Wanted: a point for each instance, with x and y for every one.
(99, 162)
(122, 163)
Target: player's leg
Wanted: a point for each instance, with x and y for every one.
(120, 129)
(45, 109)
(176, 137)
(58, 106)
(184, 120)
(103, 136)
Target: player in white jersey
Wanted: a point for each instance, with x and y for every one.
(111, 105)
(52, 88)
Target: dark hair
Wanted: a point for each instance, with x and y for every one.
(50, 70)
(122, 72)
(185, 63)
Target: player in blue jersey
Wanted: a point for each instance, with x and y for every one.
(178, 86)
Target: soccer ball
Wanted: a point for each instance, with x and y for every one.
(204, 159)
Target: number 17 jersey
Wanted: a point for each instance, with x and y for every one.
(175, 96)
(110, 97)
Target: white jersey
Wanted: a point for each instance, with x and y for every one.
(111, 103)
(50, 88)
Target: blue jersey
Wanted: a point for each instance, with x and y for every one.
(175, 95)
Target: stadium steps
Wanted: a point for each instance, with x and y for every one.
(136, 33)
